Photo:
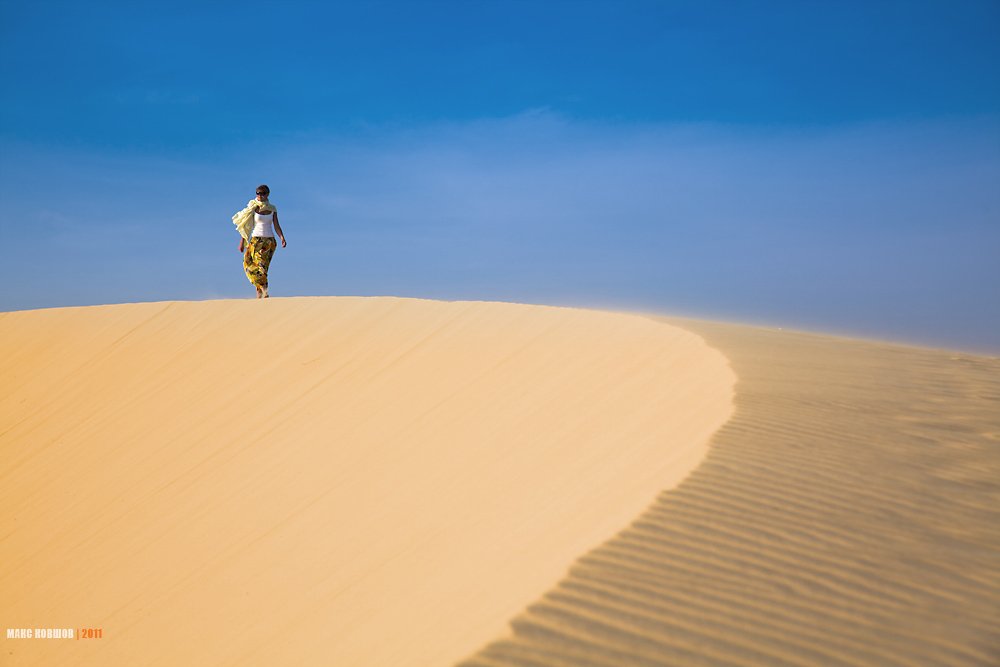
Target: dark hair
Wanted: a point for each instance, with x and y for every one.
(264, 188)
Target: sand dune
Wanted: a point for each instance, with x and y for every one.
(405, 482)
(848, 514)
(337, 481)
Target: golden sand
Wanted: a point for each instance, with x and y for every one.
(848, 514)
(324, 481)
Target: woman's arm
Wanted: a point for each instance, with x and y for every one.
(277, 228)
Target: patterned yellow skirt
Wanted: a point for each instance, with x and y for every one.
(257, 258)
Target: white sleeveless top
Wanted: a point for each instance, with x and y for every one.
(263, 225)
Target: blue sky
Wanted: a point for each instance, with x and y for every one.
(822, 165)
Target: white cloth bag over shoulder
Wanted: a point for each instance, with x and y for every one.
(244, 219)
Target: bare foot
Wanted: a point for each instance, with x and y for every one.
(265, 292)
(259, 292)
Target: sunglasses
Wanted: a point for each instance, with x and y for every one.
(262, 194)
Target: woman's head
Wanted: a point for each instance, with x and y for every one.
(263, 191)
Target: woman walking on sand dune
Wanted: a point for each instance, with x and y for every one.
(256, 224)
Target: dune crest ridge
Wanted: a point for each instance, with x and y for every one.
(847, 514)
(325, 480)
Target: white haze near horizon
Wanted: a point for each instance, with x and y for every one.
(884, 230)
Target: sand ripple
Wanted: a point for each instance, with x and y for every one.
(848, 514)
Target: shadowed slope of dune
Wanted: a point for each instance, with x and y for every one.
(848, 514)
(349, 481)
